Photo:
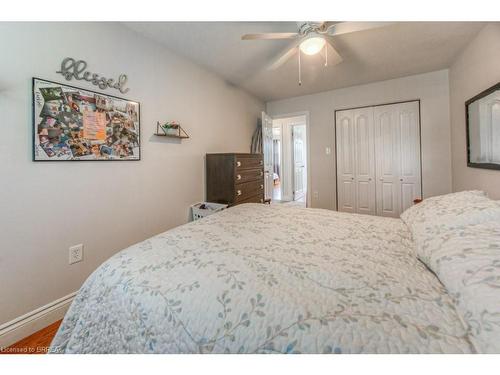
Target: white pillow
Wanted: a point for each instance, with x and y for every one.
(444, 208)
(447, 212)
(467, 261)
(458, 237)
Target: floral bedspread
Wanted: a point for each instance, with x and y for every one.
(266, 279)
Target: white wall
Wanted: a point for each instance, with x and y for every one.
(47, 207)
(433, 91)
(474, 70)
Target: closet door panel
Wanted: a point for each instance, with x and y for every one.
(387, 163)
(347, 197)
(387, 201)
(364, 160)
(346, 189)
(408, 192)
(364, 143)
(365, 198)
(409, 144)
(346, 138)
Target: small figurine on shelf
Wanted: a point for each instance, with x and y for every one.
(171, 128)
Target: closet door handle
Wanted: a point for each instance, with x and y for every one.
(238, 193)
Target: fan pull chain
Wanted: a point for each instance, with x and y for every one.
(326, 54)
(300, 79)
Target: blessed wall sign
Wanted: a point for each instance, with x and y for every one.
(77, 69)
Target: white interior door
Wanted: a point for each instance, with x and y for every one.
(364, 160)
(409, 146)
(346, 188)
(267, 148)
(378, 159)
(387, 161)
(397, 155)
(299, 161)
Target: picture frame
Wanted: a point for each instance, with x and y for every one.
(482, 129)
(76, 124)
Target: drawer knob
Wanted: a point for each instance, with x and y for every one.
(238, 163)
(238, 177)
(261, 187)
(238, 192)
(261, 162)
(261, 200)
(261, 173)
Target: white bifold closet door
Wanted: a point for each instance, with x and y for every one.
(378, 159)
(346, 189)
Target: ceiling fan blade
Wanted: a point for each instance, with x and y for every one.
(334, 57)
(284, 56)
(352, 27)
(269, 36)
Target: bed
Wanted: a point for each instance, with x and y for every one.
(269, 279)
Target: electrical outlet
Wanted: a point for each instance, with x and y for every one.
(315, 195)
(75, 253)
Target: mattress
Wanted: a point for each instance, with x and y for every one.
(266, 279)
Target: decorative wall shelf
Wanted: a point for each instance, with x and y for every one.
(176, 133)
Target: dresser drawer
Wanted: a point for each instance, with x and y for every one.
(247, 175)
(255, 199)
(248, 189)
(248, 162)
(234, 178)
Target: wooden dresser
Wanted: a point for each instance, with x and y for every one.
(235, 178)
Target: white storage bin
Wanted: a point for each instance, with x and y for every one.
(210, 208)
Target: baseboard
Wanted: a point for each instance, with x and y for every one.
(27, 324)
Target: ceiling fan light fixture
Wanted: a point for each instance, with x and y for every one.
(312, 45)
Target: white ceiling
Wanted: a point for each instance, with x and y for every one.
(397, 50)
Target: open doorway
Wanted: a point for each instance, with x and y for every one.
(277, 163)
(290, 160)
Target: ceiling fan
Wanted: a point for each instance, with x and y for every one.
(311, 38)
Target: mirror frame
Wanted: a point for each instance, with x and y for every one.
(481, 95)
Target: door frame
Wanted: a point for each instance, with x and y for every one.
(308, 146)
(293, 161)
(281, 160)
(376, 105)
